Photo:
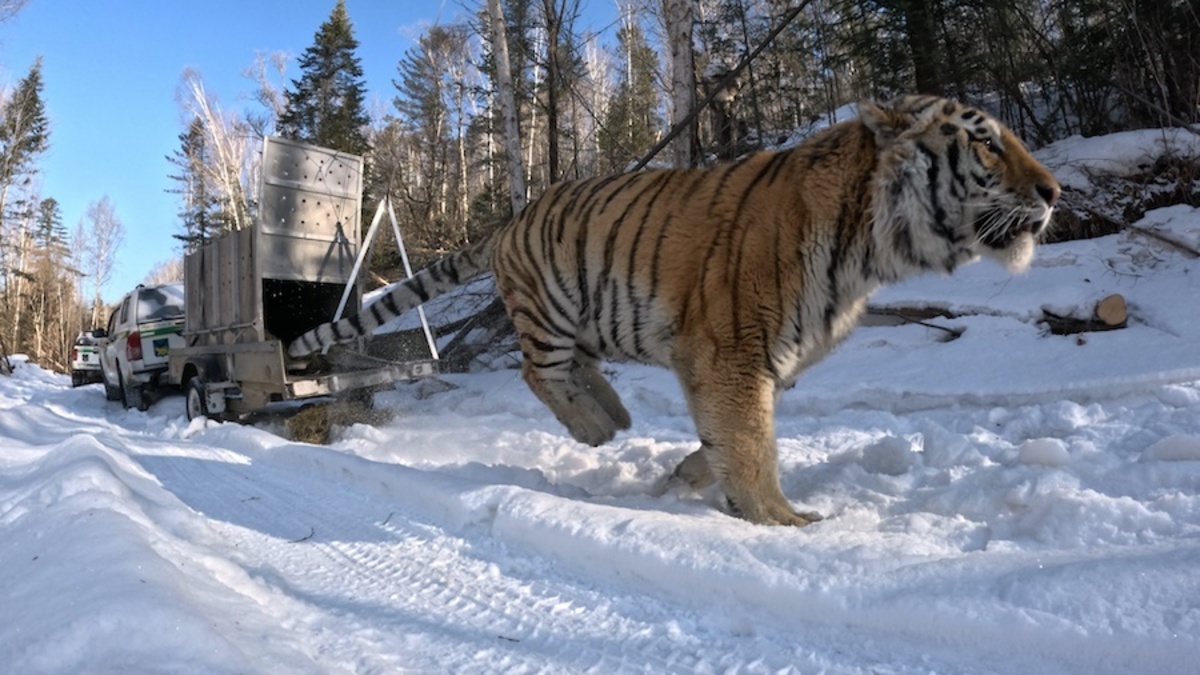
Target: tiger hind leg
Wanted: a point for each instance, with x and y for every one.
(694, 472)
(592, 382)
(579, 396)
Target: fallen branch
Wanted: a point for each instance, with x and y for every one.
(918, 316)
(1181, 246)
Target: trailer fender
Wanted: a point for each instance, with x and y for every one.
(205, 367)
(204, 380)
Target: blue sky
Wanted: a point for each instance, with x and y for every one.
(111, 69)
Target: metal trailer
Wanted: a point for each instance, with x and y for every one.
(252, 291)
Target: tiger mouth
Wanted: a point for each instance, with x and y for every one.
(997, 229)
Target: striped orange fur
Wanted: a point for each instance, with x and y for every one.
(738, 277)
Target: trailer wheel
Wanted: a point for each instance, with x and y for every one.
(364, 397)
(196, 399)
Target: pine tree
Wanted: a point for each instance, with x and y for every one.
(631, 123)
(326, 105)
(433, 97)
(200, 216)
(50, 299)
(24, 136)
(24, 131)
(50, 233)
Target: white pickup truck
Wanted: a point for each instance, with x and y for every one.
(142, 330)
(85, 358)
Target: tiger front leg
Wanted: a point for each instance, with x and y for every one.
(735, 419)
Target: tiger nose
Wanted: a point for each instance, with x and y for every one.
(1049, 192)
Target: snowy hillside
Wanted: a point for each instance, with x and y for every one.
(1006, 502)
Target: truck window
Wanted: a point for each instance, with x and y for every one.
(161, 303)
(124, 310)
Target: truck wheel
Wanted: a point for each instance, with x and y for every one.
(110, 392)
(121, 391)
(195, 399)
(76, 379)
(132, 397)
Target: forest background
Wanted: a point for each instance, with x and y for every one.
(488, 112)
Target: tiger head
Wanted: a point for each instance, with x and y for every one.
(953, 184)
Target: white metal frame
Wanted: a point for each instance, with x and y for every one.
(385, 203)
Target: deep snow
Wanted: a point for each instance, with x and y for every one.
(1006, 502)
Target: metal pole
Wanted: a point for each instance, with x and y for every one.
(408, 270)
(362, 255)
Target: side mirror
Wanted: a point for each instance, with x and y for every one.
(99, 333)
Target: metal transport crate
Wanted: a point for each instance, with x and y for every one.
(252, 291)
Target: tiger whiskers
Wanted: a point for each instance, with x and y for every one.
(996, 223)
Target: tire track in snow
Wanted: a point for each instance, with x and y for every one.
(384, 586)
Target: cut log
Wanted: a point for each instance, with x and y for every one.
(1110, 313)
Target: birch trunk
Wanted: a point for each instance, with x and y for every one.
(508, 107)
(24, 241)
(553, 28)
(679, 20)
(464, 204)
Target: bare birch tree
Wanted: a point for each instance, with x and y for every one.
(81, 260)
(508, 106)
(679, 18)
(104, 233)
(234, 163)
(269, 74)
(552, 13)
(19, 229)
(165, 271)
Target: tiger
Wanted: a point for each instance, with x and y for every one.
(739, 276)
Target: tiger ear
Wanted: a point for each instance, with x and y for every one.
(885, 123)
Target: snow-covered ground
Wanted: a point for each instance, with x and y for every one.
(1007, 502)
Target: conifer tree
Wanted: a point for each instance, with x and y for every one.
(24, 131)
(433, 100)
(200, 214)
(24, 136)
(631, 122)
(326, 105)
(50, 301)
(50, 234)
